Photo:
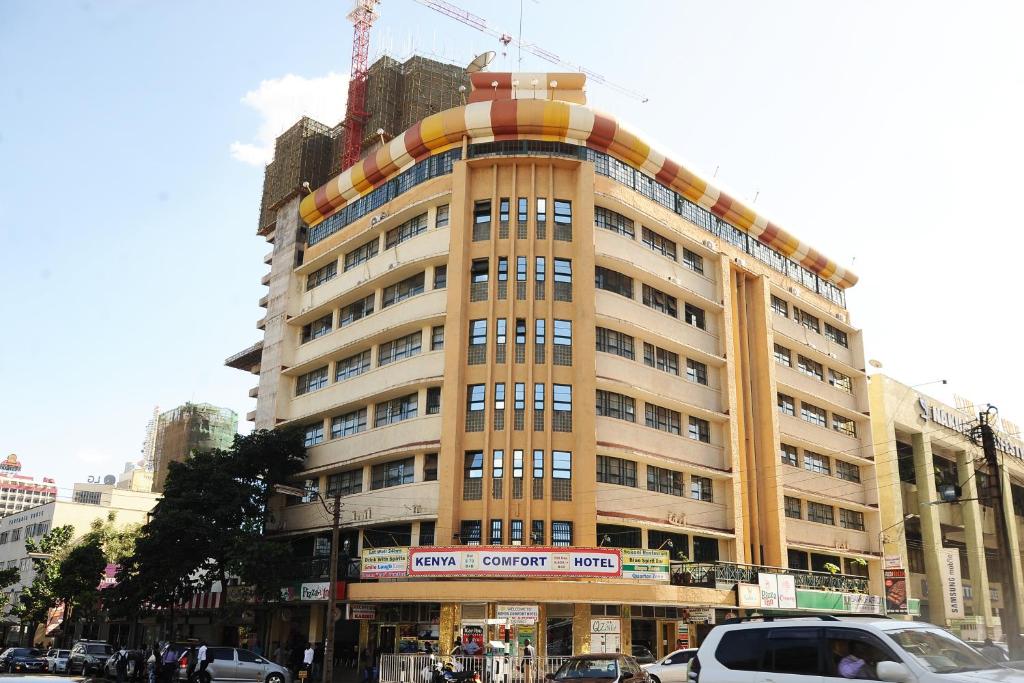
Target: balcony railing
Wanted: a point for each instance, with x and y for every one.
(725, 574)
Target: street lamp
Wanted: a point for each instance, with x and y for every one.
(334, 509)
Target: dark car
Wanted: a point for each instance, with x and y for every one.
(89, 657)
(16, 660)
(600, 668)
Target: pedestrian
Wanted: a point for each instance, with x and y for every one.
(307, 658)
(527, 664)
(318, 660)
(121, 666)
(168, 664)
(154, 657)
(204, 659)
(190, 663)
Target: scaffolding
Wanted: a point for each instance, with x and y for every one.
(188, 428)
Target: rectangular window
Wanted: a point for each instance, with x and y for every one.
(660, 301)
(695, 316)
(520, 397)
(561, 465)
(473, 465)
(498, 464)
(522, 209)
(812, 414)
(515, 531)
(539, 332)
(314, 434)
(500, 327)
(517, 464)
(701, 489)
(405, 231)
(810, 368)
(696, 372)
(848, 471)
(357, 310)
(563, 212)
(780, 306)
(659, 244)
(469, 532)
(787, 454)
(317, 328)
(786, 404)
(561, 534)
(807, 320)
(318, 277)
(440, 277)
(539, 269)
(521, 264)
(346, 483)
(611, 404)
(815, 462)
(430, 467)
(400, 291)
(613, 341)
(520, 330)
(662, 480)
(537, 532)
(851, 519)
(538, 464)
(542, 210)
(428, 531)
(479, 270)
(499, 396)
(477, 352)
(503, 209)
(437, 338)
(662, 418)
(563, 270)
(496, 538)
(793, 508)
(820, 513)
(502, 269)
(783, 356)
(611, 220)
(616, 471)
(836, 335)
(844, 425)
(561, 406)
(442, 216)
(693, 261)
(613, 281)
(311, 381)
(348, 424)
(562, 333)
(396, 410)
(433, 400)
(352, 366)
(700, 430)
(362, 254)
(482, 211)
(403, 347)
(840, 381)
(476, 397)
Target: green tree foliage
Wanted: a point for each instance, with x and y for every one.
(117, 541)
(40, 596)
(79, 575)
(8, 577)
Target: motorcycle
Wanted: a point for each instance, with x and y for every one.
(452, 672)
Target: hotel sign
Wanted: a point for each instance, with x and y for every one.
(958, 423)
(515, 562)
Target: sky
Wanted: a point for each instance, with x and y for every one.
(133, 137)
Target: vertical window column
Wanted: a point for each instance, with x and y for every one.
(499, 406)
(502, 278)
(539, 342)
(538, 407)
(521, 267)
(522, 215)
(539, 275)
(503, 213)
(500, 336)
(517, 474)
(542, 218)
(538, 474)
(519, 416)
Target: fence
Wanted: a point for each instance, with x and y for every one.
(492, 668)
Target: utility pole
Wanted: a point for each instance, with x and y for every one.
(332, 591)
(1010, 619)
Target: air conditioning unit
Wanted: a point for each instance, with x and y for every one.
(709, 244)
(741, 262)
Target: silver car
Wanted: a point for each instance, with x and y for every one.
(57, 661)
(236, 664)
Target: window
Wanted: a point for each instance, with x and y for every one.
(787, 454)
(820, 513)
(810, 368)
(538, 396)
(396, 410)
(562, 333)
(500, 330)
(352, 366)
(700, 430)
(662, 418)
(847, 470)
(515, 531)
(469, 532)
(815, 462)
(616, 471)
(428, 531)
(356, 310)
(661, 359)
(780, 306)
(659, 301)
(696, 372)
(659, 244)
(476, 402)
(851, 519)
(836, 335)
(403, 347)
(812, 414)
(318, 277)
(348, 424)
(440, 277)
(561, 533)
(844, 425)
(539, 336)
(498, 464)
(317, 328)
(345, 483)
(521, 264)
(442, 216)
(695, 316)
(611, 220)
(840, 381)
(503, 210)
(613, 281)
(786, 404)
(311, 381)
(806, 319)
(537, 532)
(782, 356)
(693, 261)
(561, 465)
(394, 473)
(433, 400)
(701, 489)
(406, 231)
(314, 434)
(496, 537)
(664, 481)
(522, 209)
(478, 271)
(430, 467)
(517, 464)
(473, 465)
(499, 396)
(611, 404)
(400, 291)
(613, 341)
(520, 330)
(482, 211)
(561, 405)
(563, 270)
(437, 338)
(520, 398)
(793, 508)
(362, 254)
(477, 353)
(563, 212)
(542, 210)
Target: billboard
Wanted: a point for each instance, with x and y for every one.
(515, 561)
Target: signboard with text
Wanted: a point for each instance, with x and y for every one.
(896, 598)
(384, 563)
(362, 612)
(515, 561)
(517, 615)
(952, 586)
(778, 591)
(645, 564)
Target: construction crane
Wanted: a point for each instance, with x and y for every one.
(480, 24)
(362, 17)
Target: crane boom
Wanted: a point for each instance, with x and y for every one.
(362, 17)
(480, 24)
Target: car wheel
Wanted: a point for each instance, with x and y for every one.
(655, 679)
(275, 678)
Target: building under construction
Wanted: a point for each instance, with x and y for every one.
(397, 95)
(187, 428)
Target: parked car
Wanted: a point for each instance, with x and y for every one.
(997, 652)
(642, 654)
(813, 650)
(57, 661)
(600, 668)
(16, 660)
(236, 664)
(88, 657)
(672, 667)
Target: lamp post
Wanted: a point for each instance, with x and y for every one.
(332, 589)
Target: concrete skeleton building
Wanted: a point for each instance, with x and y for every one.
(187, 428)
(517, 325)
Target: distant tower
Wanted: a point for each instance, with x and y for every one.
(149, 445)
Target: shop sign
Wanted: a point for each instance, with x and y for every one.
(516, 615)
(778, 591)
(289, 593)
(472, 640)
(242, 595)
(829, 601)
(318, 592)
(952, 586)
(682, 635)
(504, 562)
(697, 615)
(893, 562)
(362, 612)
(645, 564)
(604, 625)
(605, 636)
(896, 598)
(384, 563)
(748, 595)
(958, 423)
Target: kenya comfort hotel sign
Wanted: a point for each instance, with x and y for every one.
(469, 561)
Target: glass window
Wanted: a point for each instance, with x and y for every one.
(664, 481)
(815, 462)
(563, 212)
(437, 338)
(521, 264)
(317, 328)
(515, 531)
(396, 410)
(820, 513)
(397, 349)
(782, 356)
(700, 430)
(440, 277)
(836, 335)
(561, 397)
(696, 372)
(499, 396)
(780, 306)
(844, 425)
(695, 316)
(345, 483)
(611, 404)
(693, 261)
(810, 368)
(498, 464)
(847, 471)
(562, 333)
(538, 464)
(314, 434)
(787, 454)
(356, 310)
(502, 268)
(520, 330)
(659, 301)
(661, 359)
(659, 244)
(517, 464)
(482, 211)
(520, 397)
(542, 209)
(793, 651)
(478, 333)
(428, 531)
(662, 418)
(442, 216)
(538, 396)
(561, 533)
(352, 366)
(476, 397)
(563, 270)
(539, 269)
(362, 253)
(538, 337)
(430, 467)
(561, 465)
(478, 271)
(433, 400)
(522, 209)
(350, 423)
(701, 489)
(496, 538)
(500, 330)
(786, 404)
(613, 281)
(400, 291)
(807, 320)
(611, 220)
(469, 531)
(405, 231)
(851, 519)
(318, 277)
(311, 381)
(793, 508)
(619, 471)
(812, 414)
(840, 381)
(613, 341)
(474, 465)
(503, 209)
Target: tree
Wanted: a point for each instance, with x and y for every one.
(78, 578)
(39, 597)
(8, 577)
(118, 542)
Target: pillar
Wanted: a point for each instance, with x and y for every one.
(581, 629)
(449, 627)
(931, 531)
(317, 614)
(974, 526)
(1016, 570)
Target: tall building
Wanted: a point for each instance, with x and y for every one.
(19, 491)
(542, 364)
(187, 428)
(947, 551)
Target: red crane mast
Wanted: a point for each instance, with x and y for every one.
(362, 17)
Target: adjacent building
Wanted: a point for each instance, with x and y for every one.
(187, 428)
(19, 491)
(517, 334)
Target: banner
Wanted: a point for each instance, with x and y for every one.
(384, 563)
(320, 591)
(697, 615)
(362, 612)
(513, 562)
(645, 564)
(778, 591)
(516, 615)
(952, 586)
(896, 598)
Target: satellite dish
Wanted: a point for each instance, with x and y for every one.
(109, 480)
(480, 62)
(874, 363)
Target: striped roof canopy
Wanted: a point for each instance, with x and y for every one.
(514, 119)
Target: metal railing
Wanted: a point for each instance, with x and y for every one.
(419, 668)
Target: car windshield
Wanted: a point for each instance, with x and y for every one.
(939, 651)
(587, 668)
(63, 653)
(98, 649)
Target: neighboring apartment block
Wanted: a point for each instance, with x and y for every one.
(19, 491)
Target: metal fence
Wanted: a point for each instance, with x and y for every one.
(492, 668)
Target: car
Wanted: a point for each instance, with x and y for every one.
(57, 661)
(642, 654)
(823, 649)
(672, 667)
(88, 657)
(599, 668)
(16, 660)
(236, 664)
(997, 652)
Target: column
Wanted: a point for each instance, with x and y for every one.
(450, 626)
(317, 612)
(1017, 571)
(581, 629)
(974, 523)
(931, 532)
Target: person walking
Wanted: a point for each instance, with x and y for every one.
(318, 660)
(307, 658)
(190, 663)
(121, 667)
(527, 665)
(203, 658)
(151, 664)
